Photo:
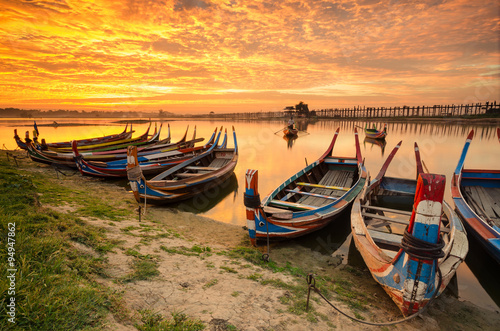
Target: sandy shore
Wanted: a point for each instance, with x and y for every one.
(202, 271)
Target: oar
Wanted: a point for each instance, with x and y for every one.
(280, 129)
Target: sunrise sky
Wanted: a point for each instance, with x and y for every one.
(197, 56)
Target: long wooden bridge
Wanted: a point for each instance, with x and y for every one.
(384, 112)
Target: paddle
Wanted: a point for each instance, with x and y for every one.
(280, 129)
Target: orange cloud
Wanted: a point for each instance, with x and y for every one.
(199, 55)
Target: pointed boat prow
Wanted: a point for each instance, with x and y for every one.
(134, 172)
(252, 202)
(422, 243)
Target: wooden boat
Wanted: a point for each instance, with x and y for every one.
(91, 141)
(476, 194)
(144, 139)
(152, 163)
(308, 200)
(67, 159)
(410, 239)
(192, 177)
(290, 132)
(376, 134)
(21, 144)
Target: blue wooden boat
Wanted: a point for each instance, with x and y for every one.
(195, 176)
(476, 194)
(409, 237)
(308, 200)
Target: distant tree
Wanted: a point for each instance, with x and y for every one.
(212, 113)
(302, 109)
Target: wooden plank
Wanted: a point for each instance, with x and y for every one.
(291, 205)
(385, 238)
(385, 218)
(312, 194)
(187, 174)
(201, 168)
(493, 194)
(395, 211)
(338, 188)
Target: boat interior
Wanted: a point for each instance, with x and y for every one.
(320, 186)
(210, 163)
(387, 211)
(483, 200)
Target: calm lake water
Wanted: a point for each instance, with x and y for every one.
(262, 147)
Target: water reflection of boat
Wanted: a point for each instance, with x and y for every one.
(290, 140)
(410, 238)
(379, 142)
(485, 269)
(205, 202)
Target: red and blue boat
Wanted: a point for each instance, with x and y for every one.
(476, 194)
(410, 239)
(307, 201)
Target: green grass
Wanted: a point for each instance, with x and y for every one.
(193, 251)
(144, 267)
(152, 321)
(54, 284)
(211, 283)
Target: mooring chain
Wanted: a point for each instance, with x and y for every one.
(311, 281)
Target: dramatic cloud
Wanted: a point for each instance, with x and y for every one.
(233, 55)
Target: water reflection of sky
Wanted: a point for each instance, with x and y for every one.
(262, 147)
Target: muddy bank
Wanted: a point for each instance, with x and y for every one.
(207, 270)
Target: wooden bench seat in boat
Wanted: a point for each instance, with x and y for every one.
(312, 194)
(385, 238)
(188, 174)
(201, 168)
(387, 220)
(291, 205)
(325, 186)
(341, 160)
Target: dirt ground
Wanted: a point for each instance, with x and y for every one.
(229, 293)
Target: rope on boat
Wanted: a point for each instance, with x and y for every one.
(251, 201)
(421, 249)
(58, 171)
(312, 286)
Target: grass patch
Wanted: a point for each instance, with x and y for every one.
(53, 284)
(193, 251)
(144, 267)
(152, 321)
(228, 269)
(211, 283)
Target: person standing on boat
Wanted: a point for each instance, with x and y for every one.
(291, 123)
